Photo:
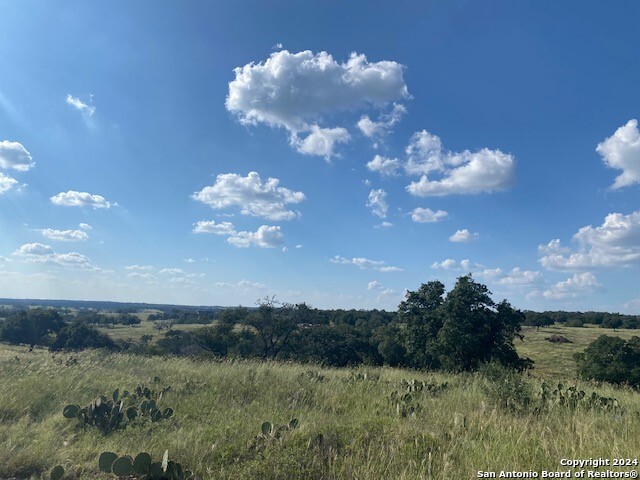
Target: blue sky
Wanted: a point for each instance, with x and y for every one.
(217, 152)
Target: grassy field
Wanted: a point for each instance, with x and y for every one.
(555, 360)
(220, 406)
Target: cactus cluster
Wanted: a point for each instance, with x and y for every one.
(112, 414)
(411, 386)
(142, 467)
(405, 404)
(271, 434)
(572, 398)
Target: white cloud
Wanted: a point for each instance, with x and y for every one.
(385, 122)
(144, 268)
(461, 172)
(39, 253)
(64, 235)
(143, 275)
(374, 285)
(380, 290)
(426, 215)
(79, 105)
(384, 225)
(622, 151)
(172, 271)
(265, 237)
(450, 264)
(293, 90)
(463, 235)
(515, 277)
(81, 199)
(321, 141)
(578, 285)
(14, 155)
(221, 228)
(243, 284)
(387, 167)
(254, 197)
(389, 269)
(189, 260)
(616, 243)
(85, 226)
(6, 183)
(299, 246)
(364, 263)
(378, 203)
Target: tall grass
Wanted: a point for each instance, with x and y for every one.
(219, 407)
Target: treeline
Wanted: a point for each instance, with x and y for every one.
(46, 327)
(579, 319)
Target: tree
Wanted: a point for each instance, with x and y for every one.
(460, 331)
(422, 312)
(32, 326)
(274, 325)
(79, 335)
(611, 359)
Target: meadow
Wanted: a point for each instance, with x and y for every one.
(352, 423)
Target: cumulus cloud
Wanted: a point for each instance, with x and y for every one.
(39, 253)
(6, 183)
(387, 167)
(514, 277)
(265, 237)
(615, 243)
(143, 275)
(622, 152)
(293, 90)
(451, 264)
(576, 286)
(384, 225)
(463, 235)
(460, 172)
(14, 155)
(378, 203)
(253, 196)
(426, 215)
(64, 235)
(85, 226)
(81, 199)
(217, 228)
(384, 124)
(321, 141)
(82, 107)
(364, 263)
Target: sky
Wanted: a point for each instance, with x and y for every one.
(333, 153)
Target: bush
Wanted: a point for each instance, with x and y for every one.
(79, 335)
(611, 359)
(33, 326)
(506, 387)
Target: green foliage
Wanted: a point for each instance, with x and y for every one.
(506, 388)
(142, 467)
(272, 434)
(574, 398)
(79, 335)
(611, 359)
(405, 402)
(32, 326)
(460, 331)
(57, 472)
(109, 415)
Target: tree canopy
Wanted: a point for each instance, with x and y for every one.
(460, 330)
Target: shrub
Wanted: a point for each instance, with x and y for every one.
(611, 359)
(79, 335)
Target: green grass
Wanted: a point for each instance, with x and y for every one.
(553, 360)
(219, 407)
